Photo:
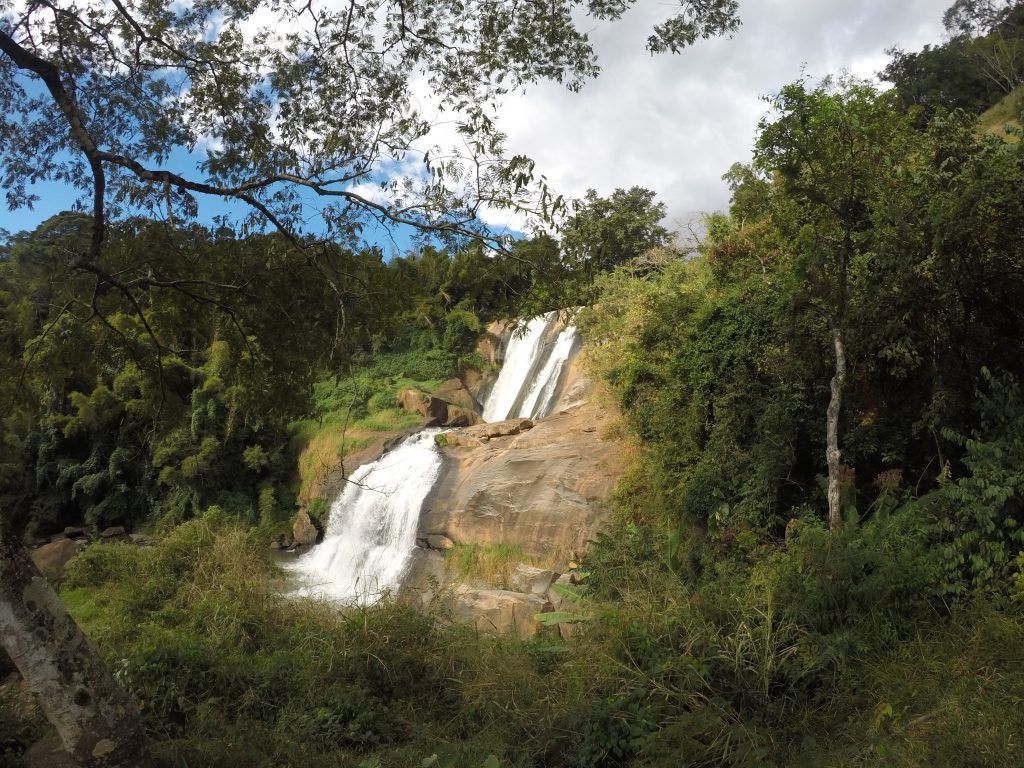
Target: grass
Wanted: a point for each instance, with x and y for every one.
(1006, 112)
(491, 564)
(390, 420)
(321, 453)
(951, 690)
(323, 445)
(229, 673)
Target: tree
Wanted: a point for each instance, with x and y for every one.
(96, 719)
(293, 97)
(606, 232)
(286, 100)
(943, 76)
(834, 151)
(993, 36)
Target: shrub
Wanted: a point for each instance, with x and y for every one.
(983, 526)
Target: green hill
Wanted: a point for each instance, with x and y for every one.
(1006, 113)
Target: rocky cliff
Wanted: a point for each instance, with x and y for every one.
(536, 489)
(495, 527)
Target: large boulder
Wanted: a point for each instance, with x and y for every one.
(114, 533)
(437, 412)
(542, 490)
(51, 559)
(534, 581)
(462, 417)
(498, 611)
(306, 530)
(432, 409)
(454, 391)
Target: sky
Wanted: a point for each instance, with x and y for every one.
(671, 123)
(675, 124)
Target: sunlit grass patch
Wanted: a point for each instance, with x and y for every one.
(390, 420)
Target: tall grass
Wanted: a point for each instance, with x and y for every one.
(490, 564)
(823, 651)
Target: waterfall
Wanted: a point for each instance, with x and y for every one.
(371, 533)
(532, 370)
(542, 390)
(524, 349)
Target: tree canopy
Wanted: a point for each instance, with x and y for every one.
(333, 100)
(982, 61)
(606, 232)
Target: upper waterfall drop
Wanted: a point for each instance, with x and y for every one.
(371, 533)
(532, 370)
(521, 356)
(544, 385)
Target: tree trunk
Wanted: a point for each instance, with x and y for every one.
(835, 513)
(97, 720)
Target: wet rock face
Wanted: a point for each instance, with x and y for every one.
(542, 490)
(492, 343)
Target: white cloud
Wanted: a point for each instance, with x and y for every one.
(675, 124)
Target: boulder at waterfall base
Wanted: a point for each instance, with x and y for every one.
(432, 409)
(454, 391)
(437, 412)
(307, 529)
(499, 611)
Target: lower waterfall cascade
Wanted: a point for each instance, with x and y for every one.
(371, 533)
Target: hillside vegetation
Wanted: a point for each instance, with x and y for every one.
(1004, 115)
(817, 549)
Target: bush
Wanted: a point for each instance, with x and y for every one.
(983, 527)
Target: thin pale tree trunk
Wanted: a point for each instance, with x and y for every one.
(832, 455)
(97, 720)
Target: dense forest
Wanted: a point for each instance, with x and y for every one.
(815, 555)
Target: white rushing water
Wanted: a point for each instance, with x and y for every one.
(544, 384)
(520, 360)
(531, 372)
(371, 533)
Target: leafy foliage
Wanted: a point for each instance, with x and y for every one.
(289, 101)
(982, 61)
(985, 518)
